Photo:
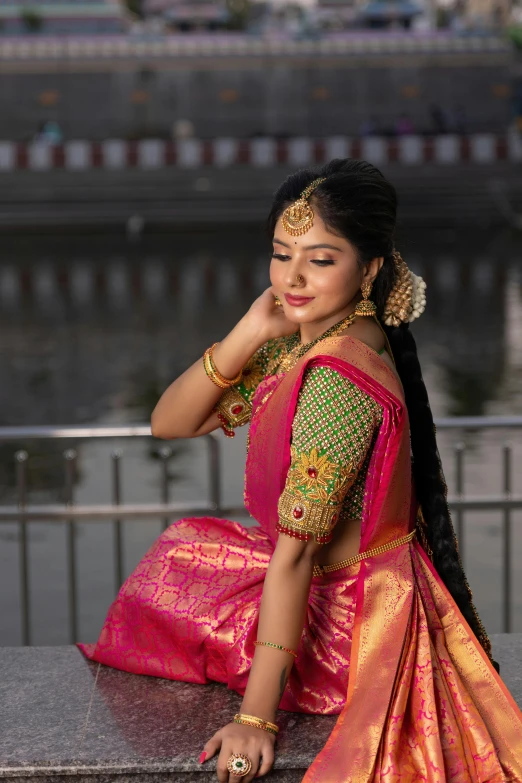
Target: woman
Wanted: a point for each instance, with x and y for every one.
(349, 598)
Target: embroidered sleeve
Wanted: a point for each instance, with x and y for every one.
(332, 433)
(234, 407)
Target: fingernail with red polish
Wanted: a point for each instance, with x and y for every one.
(202, 757)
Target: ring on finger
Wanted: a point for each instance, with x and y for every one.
(239, 764)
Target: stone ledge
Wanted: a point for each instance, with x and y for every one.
(66, 720)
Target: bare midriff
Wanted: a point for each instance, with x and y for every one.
(344, 544)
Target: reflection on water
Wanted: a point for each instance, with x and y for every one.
(94, 328)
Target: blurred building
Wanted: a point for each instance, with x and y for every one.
(20, 17)
(382, 14)
(336, 14)
(483, 13)
(189, 16)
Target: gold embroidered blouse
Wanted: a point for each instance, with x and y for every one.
(333, 432)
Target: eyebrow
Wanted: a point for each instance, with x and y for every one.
(310, 247)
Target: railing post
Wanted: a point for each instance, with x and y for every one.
(214, 455)
(21, 487)
(506, 463)
(116, 499)
(70, 463)
(459, 489)
(165, 453)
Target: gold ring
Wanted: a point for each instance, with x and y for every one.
(277, 301)
(239, 764)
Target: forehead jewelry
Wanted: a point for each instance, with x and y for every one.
(299, 216)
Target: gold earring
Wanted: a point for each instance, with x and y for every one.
(277, 301)
(366, 306)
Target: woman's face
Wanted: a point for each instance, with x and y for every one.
(330, 275)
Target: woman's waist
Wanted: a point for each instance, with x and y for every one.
(321, 569)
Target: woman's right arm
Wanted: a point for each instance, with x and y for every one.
(185, 408)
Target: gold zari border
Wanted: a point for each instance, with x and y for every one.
(319, 570)
(317, 519)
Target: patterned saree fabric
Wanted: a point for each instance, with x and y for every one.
(384, 645)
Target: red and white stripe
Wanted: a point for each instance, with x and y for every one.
(263, 152)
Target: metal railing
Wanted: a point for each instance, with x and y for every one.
(69, 512)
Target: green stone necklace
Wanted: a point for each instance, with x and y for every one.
(294, 354)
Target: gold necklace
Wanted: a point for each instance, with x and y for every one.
(293, 356)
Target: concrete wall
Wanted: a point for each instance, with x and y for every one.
(241, 97)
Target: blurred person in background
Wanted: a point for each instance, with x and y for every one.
(349, 597)
(404, 125)
(49, 132)
(370, 127)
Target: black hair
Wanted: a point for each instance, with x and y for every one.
(357, 202)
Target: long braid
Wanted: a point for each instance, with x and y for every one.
(430, 484)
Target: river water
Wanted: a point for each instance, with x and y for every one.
(95, 327)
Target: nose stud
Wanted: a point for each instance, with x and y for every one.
(299, 279)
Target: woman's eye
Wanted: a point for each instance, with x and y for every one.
(322, 261)
(280, 256)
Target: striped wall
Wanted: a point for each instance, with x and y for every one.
(444, 150)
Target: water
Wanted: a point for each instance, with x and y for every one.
(94, 328)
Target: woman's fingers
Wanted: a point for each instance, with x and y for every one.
(221, 769)
(211, 747)
(267, 759)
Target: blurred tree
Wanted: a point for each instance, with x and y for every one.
(31, 20)
(239, 11)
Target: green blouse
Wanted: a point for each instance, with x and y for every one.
(333, 432)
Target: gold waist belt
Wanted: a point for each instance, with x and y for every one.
(319, 570)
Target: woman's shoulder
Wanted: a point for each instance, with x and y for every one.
(324, 386)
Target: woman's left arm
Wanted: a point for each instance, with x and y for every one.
(332, 432)
(281, 620)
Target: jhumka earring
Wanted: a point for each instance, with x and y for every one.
(365, 307)
(299, 216)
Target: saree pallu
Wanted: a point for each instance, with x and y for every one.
(384, 645)
(424, 703)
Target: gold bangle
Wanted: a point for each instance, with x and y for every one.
(230, 381)
(278, 647)
(258, 723)
(213, 372)
(210, 372)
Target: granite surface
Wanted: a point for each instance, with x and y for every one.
(68, 720)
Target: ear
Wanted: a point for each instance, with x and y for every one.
(372, 269)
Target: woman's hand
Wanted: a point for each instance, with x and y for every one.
(257, 744)
(269, 319)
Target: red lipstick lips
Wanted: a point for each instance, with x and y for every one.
(298, 301)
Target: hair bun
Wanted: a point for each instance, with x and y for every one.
(407, 299)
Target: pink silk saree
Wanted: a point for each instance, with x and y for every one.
(384, 645)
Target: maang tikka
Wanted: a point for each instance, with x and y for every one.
(298, 218)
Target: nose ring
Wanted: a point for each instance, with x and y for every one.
(299, 279)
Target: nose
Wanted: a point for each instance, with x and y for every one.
(294, 277)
